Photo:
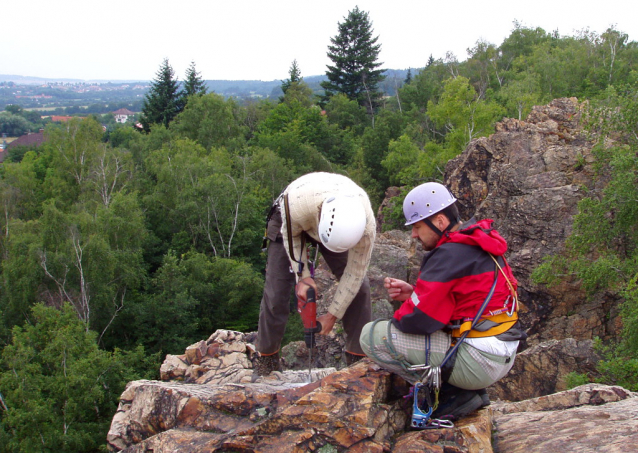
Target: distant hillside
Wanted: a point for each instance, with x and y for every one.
(227, 88)
(30, 80)
(272, 89)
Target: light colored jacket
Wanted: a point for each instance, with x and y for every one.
(305, 197)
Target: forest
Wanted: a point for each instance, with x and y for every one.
(120, 247)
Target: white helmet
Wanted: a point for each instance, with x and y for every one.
(342, 222)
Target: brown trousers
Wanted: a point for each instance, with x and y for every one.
(279, 286)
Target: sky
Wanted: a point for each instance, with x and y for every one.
(259, 39)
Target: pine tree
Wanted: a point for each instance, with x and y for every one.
(295, 76)
(408, 77)
(354, 54)
(194, 84)
(162, 102)
(295, 88)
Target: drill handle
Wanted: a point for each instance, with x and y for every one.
(311, 296)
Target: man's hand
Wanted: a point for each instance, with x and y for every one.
(327, 321)
(398, 289)
(302, 288)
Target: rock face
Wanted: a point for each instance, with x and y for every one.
(357, 409)
(542, 369)
(589, 418)
(529, 177)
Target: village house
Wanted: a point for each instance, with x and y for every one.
(121, 115)
(31, 140)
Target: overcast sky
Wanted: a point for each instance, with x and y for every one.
(259, 39)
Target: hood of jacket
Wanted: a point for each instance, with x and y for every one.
(480, 234)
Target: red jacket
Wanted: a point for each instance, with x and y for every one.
(455, 279)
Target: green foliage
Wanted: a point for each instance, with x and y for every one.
(154, 238)
(163, 101)
(208, 196)
(59, 389)
(375, 142)
(462, 113)
(295, 77)
(194, 85)
(619, 365)
(601, 252)
(400, 162)
(299, 92)
(346, 114)
(211, 121)
(121, 135)
(393, 217)
(520, 95)
(575, 379)
(354, 53)
(13, 125)
(193, 295)
(305, 137)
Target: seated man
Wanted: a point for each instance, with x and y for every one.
(463, 271)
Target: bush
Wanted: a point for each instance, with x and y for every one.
(574, 379)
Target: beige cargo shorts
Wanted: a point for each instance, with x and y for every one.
(395, 351)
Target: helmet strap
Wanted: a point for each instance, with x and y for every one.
(451, 225)
(429, 223)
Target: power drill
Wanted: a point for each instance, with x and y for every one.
(308, 311)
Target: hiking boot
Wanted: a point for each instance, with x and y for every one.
(352, 358)
(459, 405)
(484, 397)
(266, 364)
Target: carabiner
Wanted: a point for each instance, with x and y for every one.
(435, 423)
(511, 311)
(419, 367)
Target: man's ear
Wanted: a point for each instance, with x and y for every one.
(441, 221)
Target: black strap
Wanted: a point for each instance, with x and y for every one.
(291, 250)
(451, 225)
(273, 209)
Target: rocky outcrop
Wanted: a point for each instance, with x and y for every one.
(529, 177)
(357, 409)
(543, 368)
(589, 418)
(228, 357)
